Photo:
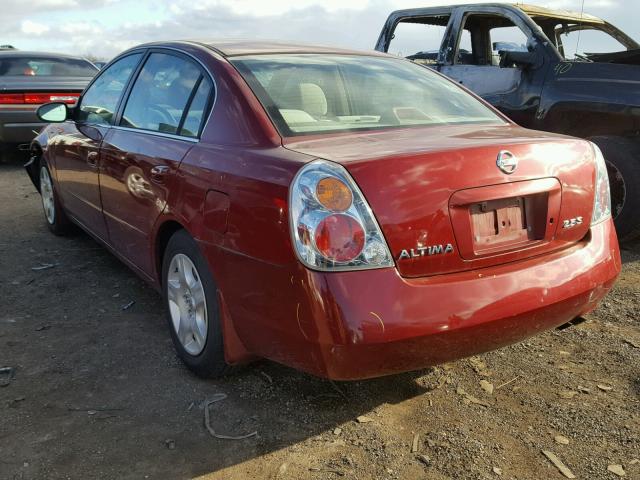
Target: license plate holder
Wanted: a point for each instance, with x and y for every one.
(497, 222)
(529, 209)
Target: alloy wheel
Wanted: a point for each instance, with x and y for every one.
(187, 304)
(46, 193)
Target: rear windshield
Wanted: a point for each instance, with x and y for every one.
(46, 67)
(307, 94)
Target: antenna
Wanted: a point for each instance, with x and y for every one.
(580, 29)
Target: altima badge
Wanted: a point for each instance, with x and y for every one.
(507, 161)
(426, 251)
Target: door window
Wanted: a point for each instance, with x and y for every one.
(419, 39)
(484, 36)
(506, 39)
(161, 94)
(100, 101)
(465, 49)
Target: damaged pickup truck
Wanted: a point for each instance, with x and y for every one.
(538, 67)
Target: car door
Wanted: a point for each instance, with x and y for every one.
(482, 33)
(158, 124)
(77, 148)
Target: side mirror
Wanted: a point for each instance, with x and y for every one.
(88, 131)
(53, 112)
(519, 59)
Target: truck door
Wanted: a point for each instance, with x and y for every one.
(483, 35)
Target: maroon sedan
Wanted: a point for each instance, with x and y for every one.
(350, 214)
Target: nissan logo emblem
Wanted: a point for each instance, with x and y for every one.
(507, 161)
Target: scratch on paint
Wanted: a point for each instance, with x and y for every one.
(379, 319)
(291, 279)
(299, 325)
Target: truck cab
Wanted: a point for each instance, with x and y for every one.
(557, 71)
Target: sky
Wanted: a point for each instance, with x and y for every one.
(103, 28)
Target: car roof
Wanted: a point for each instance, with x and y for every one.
(536, 11)
(236, 47)
(25, 53)
(531, 10)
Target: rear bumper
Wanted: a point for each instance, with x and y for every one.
(18, 122)
(371, 323)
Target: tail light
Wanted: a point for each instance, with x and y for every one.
(11, 98)
(38, 98)
(332, 226)
(602, 199)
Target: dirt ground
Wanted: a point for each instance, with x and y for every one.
(99, 393)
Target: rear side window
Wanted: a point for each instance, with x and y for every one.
(46, 67)
(99, 102)
(580, 41)
(162, 94)
(195, 115)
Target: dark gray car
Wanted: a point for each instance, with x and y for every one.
(29, 79)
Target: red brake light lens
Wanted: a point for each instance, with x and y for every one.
(11, 98)
(38, 98)
(34, 98)
(339, 238)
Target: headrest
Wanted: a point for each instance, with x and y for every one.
(313, 99)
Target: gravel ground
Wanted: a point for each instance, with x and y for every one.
(99, 393)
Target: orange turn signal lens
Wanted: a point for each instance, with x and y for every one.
(333, 194)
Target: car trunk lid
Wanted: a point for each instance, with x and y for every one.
(444, 205)
(38, 90)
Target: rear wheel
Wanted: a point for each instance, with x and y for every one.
(57, 220)
(192, 307)
(622, 157)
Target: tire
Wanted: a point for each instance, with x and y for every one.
(623, 165)
(54, 214)
(191, 302)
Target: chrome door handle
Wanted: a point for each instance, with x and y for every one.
(159, 173)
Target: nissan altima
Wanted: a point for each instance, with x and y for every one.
(350, 214)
